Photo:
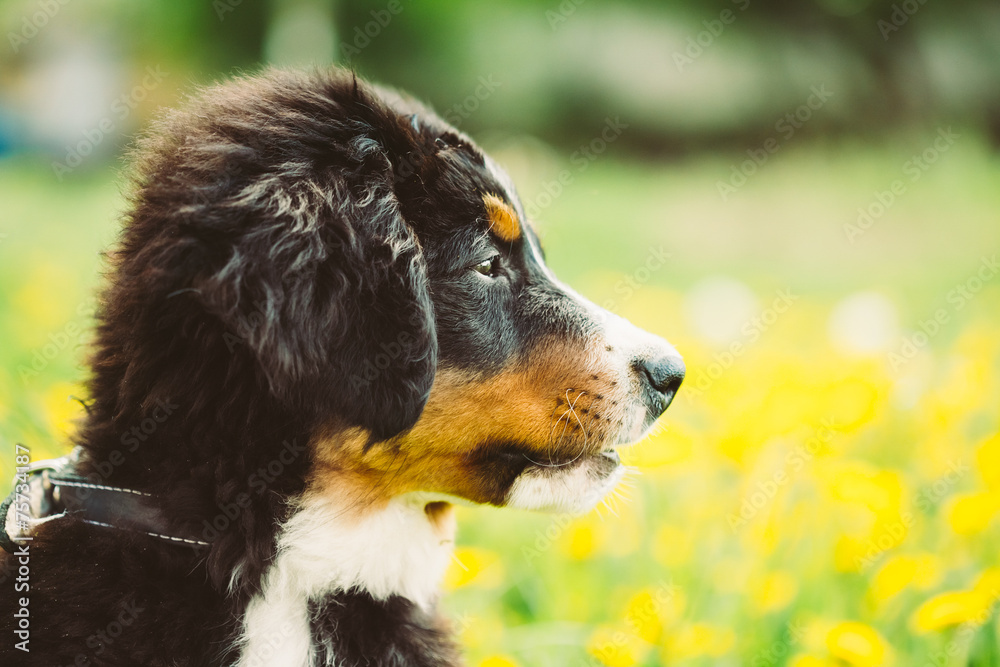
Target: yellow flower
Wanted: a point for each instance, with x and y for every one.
(881, 491)
(498, 661)
(857, 644)
(948, 609)
(581, 540)
(616, 648)
(649, 610)
(474, 566)
(988, 584)
(62, 410)
(898, 572)
(988, 460)
(852, 402)
(850, 554)
(972, 513)
(802, 660)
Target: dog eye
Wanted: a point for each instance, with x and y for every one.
(488, 267)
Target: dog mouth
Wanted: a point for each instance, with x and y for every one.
(572, 484)
(602, 463)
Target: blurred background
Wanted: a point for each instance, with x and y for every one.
(804, 197)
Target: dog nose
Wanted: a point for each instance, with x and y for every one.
(663, 374)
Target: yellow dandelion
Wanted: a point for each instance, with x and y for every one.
(803, 660)
(62, 410)
(850, 554)
(852, 402)
(972, 513)
(857, 644)
(616, 648)
(949, 609)
(988, 461)
(499, 661)
(581, 540)
(988, 584)
(644, 614)
(476, 567)
(880, 490)
(899, 572)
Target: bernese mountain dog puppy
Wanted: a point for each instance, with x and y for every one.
(327, 319)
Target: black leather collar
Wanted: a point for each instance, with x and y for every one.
(51, 490)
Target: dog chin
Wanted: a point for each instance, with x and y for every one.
(573, 488)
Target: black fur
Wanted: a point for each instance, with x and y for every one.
(295, 259)
(264, 263)
(355, 630)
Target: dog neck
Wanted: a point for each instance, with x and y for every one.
(386, 561)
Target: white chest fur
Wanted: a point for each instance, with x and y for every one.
(402, 549)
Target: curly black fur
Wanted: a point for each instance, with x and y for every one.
(265, 259)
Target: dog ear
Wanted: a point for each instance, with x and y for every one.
(325, 282)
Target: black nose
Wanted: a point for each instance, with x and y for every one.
(663, 375)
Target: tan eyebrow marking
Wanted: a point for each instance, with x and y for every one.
(503, 219)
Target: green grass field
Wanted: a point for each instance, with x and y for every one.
(824, 493)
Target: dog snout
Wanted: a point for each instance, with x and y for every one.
(661, 375)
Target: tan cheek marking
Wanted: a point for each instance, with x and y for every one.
(503, 219)
(523, 404)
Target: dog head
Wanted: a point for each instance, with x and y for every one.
(380, 272)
